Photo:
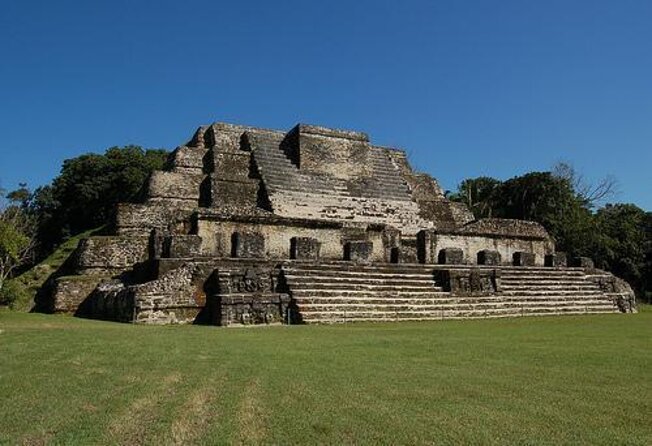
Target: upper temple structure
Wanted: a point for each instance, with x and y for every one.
(254, 226)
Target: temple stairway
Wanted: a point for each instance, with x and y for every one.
(540, 290)
(342, 292)
(381, 197)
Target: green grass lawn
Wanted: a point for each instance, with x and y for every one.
(556, 380)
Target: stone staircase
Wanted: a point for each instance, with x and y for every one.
(542, 290)
(383, 197)
(343, 292)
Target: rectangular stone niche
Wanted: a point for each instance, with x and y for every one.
(488, 257)
(304, 248)
(358, 251)
(522, 258)
(247, 245)
(555, 260)
(451, 256)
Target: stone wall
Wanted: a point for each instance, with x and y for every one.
(174, 185)
(189, 160)
(217, 236)
(471, 245)
(68, 293)
(139, 219)
(110, 254)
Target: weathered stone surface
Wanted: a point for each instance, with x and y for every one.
(304, 248)
(451, 256)
(248, 245)
(182, 246)
(488, 257)
(175, 185)
(470, 282)
(109, 254)
(69, 292)
(358, 251)
(524, 258)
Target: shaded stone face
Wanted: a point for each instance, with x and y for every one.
(556, 260)
(451, 256)
(358, 251)
(470, 281)
(582, 262)
(304, 248)
(524, 258)
(488, 257)
(247, 245)
(180, 246)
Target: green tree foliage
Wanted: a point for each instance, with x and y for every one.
(623, 242)
(17, 229)
(618, 237)
(479, 194)
(87, 189)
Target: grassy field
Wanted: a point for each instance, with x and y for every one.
(579, 380)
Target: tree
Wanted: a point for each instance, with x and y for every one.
(479, 194)
(591, 194)
(17, 235)
(624, 242)
(89, 186)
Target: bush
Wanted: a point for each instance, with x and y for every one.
(13, 293)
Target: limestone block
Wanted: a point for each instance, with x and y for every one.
(557, 259)
(234, 194)
(358, 251)
(470, 282)
(188, 159)
(522, 258)
(110, 253)
(304, 248)
(583, 262)
(451, 256)
(426, 240)
(232, 165)
(183, 186)
(71, 291)
(248, 245)
(409, 251)
(179, 246)
(489, 257)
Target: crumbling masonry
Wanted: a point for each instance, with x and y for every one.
(254, 226)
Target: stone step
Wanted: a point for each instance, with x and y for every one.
(537, 287)
(561, 281)
(299, 294)
(363, 286)
(486, 307)
(445, 301)
(330, 317)
(550, 292)
(364, 275)
(341, 266)
(517, 271)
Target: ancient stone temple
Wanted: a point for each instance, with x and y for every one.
(255, 226)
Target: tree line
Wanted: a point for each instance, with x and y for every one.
(617, 236)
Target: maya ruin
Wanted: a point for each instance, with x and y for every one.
(255, 226)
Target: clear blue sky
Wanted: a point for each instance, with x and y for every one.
(468, 88)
